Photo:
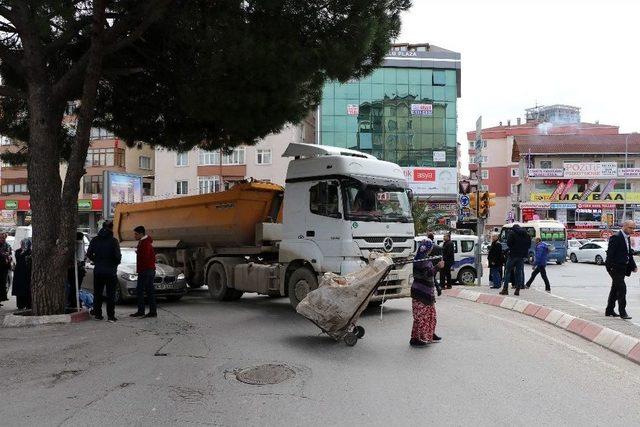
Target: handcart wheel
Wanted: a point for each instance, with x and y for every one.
(359, 331)
(350, 339)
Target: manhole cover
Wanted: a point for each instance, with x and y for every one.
(265, 374)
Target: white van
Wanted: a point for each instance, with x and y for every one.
(464, 268)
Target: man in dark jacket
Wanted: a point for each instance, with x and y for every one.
(104, 252)
(620, 263)
(518, 243)
(496, 261)
(146, 268)
(448, 256)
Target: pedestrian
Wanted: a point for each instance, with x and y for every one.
(496, 261)
(78, 261)
(436, 251)
(21, 287)
(104, 252)
(146, 268)
(540, 264)
(449, 258)
(620, 263)
(518, 243)
(5, 266)
(423, 297)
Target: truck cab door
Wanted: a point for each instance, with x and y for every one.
(324, 222)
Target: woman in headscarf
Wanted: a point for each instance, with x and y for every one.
(423, 296)
(22, 275)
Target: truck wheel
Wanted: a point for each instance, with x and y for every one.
(301, 282)
(217, 281)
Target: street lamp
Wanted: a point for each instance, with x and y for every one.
(626, 164)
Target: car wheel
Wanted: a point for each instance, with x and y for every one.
(573, 258)
(467, 276)
(559, 262)
(301, 282)
(599, 260)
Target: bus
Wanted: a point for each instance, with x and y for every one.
(551, 232)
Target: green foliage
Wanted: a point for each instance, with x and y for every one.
(426, 219)
(210, 74)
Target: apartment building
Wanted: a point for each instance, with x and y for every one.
(199, 171)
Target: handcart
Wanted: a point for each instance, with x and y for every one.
(336, 312)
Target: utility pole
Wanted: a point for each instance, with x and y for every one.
(480, 221)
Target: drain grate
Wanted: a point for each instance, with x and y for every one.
(265, 374)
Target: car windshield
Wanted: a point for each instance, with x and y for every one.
(128, 256)
(376, 203)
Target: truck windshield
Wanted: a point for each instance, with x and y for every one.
(375, 203)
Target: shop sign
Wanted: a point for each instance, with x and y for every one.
(589, 224)
(11, 205)
(84, 205)
(562, 206)
(529, 205)
(439, 156)
(596, 205)
(629, 172)
(432, 181)
(590, 170)
(545, 173)
(8, 218)
(353, 109)
(594, 196)
(421, 109)
(567, 187)
(556, 193)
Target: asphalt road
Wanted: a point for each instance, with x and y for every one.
(585, 284)
(494, 367)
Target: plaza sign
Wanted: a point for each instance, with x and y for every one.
(590, 170)
(594, 196)
(546, 173)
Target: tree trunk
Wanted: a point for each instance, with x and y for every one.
(49, 262)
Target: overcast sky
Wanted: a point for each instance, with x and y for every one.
(518, 53)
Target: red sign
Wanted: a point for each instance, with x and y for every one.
(424, 175)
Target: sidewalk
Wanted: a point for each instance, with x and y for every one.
(616, 334)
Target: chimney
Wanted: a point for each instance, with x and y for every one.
(518, 120)
(508, 122)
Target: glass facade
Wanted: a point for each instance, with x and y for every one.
(401, 115)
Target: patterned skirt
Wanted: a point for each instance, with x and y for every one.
(424, 321)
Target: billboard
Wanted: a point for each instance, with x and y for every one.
(120, 188)
(590, 170)
(432, 181)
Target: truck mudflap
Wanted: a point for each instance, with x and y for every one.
(396, 284)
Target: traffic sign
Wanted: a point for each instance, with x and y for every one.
(464, 201)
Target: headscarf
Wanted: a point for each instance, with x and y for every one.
(26, 243)
(424, 249)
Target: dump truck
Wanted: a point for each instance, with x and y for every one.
(338, 206)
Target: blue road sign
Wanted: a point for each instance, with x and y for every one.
(464, 201)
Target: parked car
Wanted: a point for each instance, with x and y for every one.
(464, 270)
(169, 282)
(590, 252)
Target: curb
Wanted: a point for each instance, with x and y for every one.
(624, 345)
(17, 321)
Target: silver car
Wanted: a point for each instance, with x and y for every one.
(169, 282)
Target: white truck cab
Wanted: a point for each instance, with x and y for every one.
(339, 206)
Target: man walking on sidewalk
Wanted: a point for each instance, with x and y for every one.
(518, 243)
(620, 263)
(496, 260)
(146, 268)
(104, 252)
(540, 264)
(449, 258)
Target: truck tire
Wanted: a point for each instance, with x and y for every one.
(217, 281)
(301, 282)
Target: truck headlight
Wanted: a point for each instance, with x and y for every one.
(181, 276)
(129, 277)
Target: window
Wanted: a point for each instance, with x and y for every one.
(182, 187)
(92, 184)
(208, 158)
(545, 164)
(263, 156)
(208, 184)
(182, 159)
(236, 157)
(483, 159)
(467, 245)
(623, 165)
(484, 187)
(146, 188)
(144, 162)
(105, 157)
(14, 188)
(97, 133)
(485, 174)
(514, 189)
(621, 186)
(439, 78)
(484, 143)
(212, 158)
(514, 173)
(323, 199)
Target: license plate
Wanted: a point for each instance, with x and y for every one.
(161, 287)
(392, 277)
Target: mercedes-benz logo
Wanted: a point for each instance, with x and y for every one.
(387, 244)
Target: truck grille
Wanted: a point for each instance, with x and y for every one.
(169, 279)
(396, 239)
